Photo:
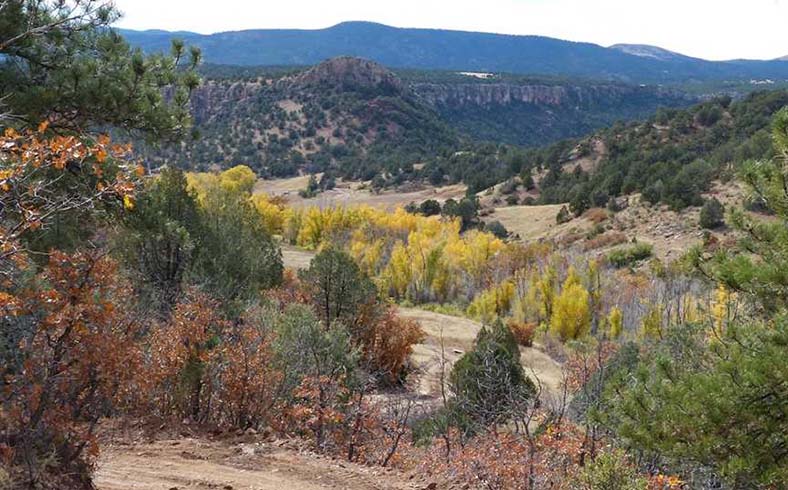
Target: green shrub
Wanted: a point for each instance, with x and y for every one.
(488, 382)
(563, 216)
(623, 257)
(712, 214)
(610, 471)
(497, 228)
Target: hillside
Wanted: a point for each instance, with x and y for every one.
(655, 52)
(347, 114)
(452, 50)
(672, 158)
(358, 118)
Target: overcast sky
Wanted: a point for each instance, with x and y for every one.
(711, 29)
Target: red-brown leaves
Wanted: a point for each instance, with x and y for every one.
(77, 355)
(43, 175)
(387, 340)
(178, 351)
(248, 383)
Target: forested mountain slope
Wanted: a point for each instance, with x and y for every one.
(357, 117)
(672, 157)
(452, 50)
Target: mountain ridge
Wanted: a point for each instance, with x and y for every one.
(441, 49)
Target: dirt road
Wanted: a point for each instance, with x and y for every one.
(191, 464)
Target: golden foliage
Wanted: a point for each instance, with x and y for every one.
(493, 302)
(571, 315)
(615, 321)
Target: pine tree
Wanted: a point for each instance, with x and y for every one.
(489, 382)
(760, 272)
(62, 63)
(337, 286)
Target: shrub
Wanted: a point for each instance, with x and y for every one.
(430, 207)
(579, 202)
(386, 341)
(596, 215)
(624, 257)
(508, 187)
(605, 240)
(594, 232)
(523, 332)
(248, 383)
(488, 382)
(610, 470)
(563, 215)
(497, 228)
(182, 351)
(653, 193)
(712, 214)
(74, 359)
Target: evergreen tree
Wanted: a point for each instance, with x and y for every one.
(762, 271)
(62, 63)
(337, 286)
(237, 257)
(712, 397)
(489, 382)
(161, 235)
(712, 214)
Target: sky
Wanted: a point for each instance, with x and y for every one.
(710, 29)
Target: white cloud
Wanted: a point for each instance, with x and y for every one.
(712, 29)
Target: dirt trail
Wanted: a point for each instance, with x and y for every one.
(458, 335)
(190, 464)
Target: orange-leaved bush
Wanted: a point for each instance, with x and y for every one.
(74, 360)
(179, 354)
(386, 340)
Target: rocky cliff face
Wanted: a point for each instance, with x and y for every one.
(351, 103)
(502, 94)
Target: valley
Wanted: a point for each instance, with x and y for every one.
(370, 257)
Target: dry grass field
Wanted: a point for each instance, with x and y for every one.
(535, 222)
(355, 193)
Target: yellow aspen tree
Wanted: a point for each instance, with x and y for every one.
(238, 180)
(722, 308)
(399, 273)
(651, 327)
(271, 213)
(493, 302)
(545, 287)
(571, 315)
(293, 219)
(615, 321)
